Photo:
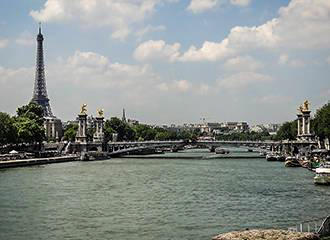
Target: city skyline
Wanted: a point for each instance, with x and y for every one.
(168, 61)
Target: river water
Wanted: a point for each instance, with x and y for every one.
(155, 198)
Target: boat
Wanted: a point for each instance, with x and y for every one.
(271, 157)
(292, 162)
(221, 151)
(281, 158)
(323, 174)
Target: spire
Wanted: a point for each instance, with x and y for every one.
(124, 116)
(39, 27)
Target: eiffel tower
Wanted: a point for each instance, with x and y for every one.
(40, 92)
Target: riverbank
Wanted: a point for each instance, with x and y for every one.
(38, 161)
(267, 235)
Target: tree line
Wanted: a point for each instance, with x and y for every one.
(127, 132)
(27, 127)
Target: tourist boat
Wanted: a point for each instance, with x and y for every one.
(292, 162)
(271, 157)
(323, 174)
(305, 162)
(281, 158)
(221, 151)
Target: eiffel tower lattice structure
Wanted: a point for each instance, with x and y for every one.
(40, 92)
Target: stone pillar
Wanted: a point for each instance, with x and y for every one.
(299, 122)
(53, 129)
(81, 134)
(99, 135)
(303, 125)
(298, 127)
(306, 125)
(309, 127)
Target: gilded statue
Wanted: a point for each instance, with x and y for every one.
(83, 109)
(300, 109)
(100, 112)
(306, 105)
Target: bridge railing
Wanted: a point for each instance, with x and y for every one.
(320, 226)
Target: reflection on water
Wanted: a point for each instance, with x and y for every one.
(155, 198)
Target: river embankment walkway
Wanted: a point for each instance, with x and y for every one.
(38, 161)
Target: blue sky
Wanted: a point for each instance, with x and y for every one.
(169, 61)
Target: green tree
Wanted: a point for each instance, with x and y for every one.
(185, 135)
(29, 123)
(32, 111)
(8, 133)
(288, 131)
(145, 132)
(124, 131)
(108, 131)
(70, 132)
(90, 133)
(321, 122)
(163, 136)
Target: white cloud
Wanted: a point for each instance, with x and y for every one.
(242, 63)
(303, 24)
(9, 75)
(151, 50)
(284, 59)
(94, 70)
(120, 15)
(253, 37)
(242, 80)
(25, 39)
(210, 51)
(3, 42)
(175, 86)
(182, 85)
(240, 39)
(198, 6)
(148, 29)
(15, 82)
(241, 3)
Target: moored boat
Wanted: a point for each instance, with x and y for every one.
(323, 174)
(292, 162)
(221, 151)
(271, 157)
(281, 158)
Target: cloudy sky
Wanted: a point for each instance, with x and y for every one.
(169, 61)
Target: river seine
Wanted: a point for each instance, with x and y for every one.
(155, 198)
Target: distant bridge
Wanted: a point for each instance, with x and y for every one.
(130, 147)
(119, 147)
(208, 143)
